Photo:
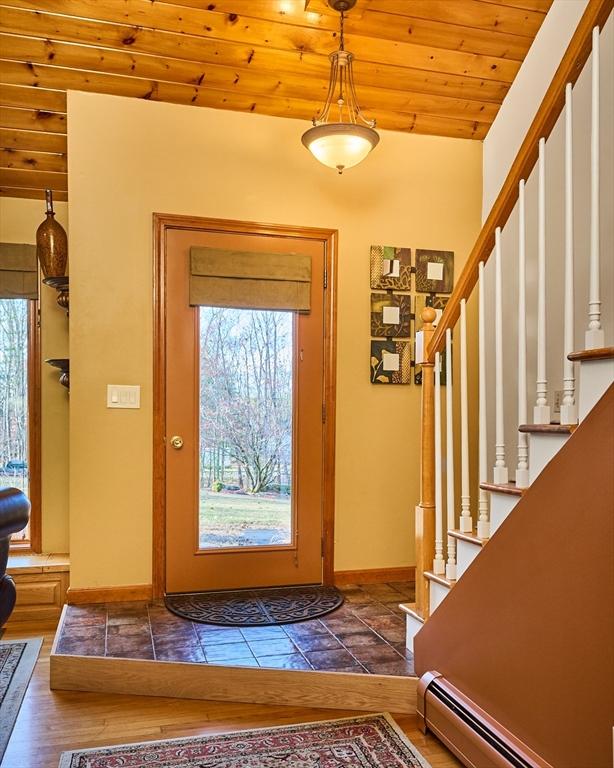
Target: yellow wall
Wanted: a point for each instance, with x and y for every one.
(19, 220)
(129, 158)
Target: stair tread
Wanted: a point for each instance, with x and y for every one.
(472, 537)
(549, 429)
(509, 488)
(437, 577)
(602, 353)
(410, 609)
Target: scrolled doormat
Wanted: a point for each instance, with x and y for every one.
(255, 607)
(375, 741)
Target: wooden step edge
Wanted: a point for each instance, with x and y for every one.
(548, 429)
(509, 488)
(439, 579)
(472, 538)
(410, 610)
(603, 353)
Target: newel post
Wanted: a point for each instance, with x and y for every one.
(425, 512)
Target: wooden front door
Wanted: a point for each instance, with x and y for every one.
(245, 425)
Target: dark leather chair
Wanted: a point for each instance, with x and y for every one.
(14, 516)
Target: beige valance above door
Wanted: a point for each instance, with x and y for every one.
(249, 280)
(18, 271)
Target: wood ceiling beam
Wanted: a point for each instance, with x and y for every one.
(192, 27)
(387, 26)
(33, 54)
(33, 141)
(168, 50)
(26, 192)
(32, 120)
(46, 76)
(488, 16)
(15, 177)
(32, 161)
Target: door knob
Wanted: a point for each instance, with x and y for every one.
(177, 442)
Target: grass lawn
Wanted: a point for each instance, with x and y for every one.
(240, 520)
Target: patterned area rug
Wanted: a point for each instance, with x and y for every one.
(261, 607)
(17, 661)
(364, 742)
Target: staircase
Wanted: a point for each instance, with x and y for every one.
(455, 533)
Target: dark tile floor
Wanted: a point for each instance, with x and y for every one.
(365, 635)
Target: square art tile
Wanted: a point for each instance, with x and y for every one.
(390, 315)
(390, 362)
(390, 268)
(434, 271)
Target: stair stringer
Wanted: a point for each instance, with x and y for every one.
(527, 633)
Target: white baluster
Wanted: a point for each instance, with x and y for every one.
(483, 524)
(466, 524)
(541, 411)
(594, 337)
(522, 471)
(450, 500)
(438, 563)
(500, 470)
(569, 411)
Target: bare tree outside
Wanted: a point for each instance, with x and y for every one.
(245, 427)
(14, 397)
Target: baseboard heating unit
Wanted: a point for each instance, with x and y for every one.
(470, 733)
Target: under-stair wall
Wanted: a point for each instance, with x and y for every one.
(528, 632)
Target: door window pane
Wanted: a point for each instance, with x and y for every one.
(14, 399)
(245, 489)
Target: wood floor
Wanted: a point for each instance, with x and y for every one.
(50, 722)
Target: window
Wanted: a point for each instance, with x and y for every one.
(19, 409)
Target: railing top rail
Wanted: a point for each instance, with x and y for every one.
(572, 63)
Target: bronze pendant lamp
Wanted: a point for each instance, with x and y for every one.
(341, 136)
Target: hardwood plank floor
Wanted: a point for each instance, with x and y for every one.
(51, 722)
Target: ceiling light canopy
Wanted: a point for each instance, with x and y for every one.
(341, 136)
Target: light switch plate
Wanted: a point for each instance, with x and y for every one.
(123, 396)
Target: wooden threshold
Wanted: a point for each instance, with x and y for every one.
(603, 353)
(184, 680)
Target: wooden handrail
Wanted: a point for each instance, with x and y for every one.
(578, 51)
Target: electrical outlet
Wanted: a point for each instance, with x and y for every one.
(558, 400)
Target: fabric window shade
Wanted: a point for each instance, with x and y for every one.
(18, 271)
(250, 280)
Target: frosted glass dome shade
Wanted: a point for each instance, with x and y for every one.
(340, 145)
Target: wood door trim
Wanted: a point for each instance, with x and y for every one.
(162, 222)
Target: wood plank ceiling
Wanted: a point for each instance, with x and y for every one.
(437, 67)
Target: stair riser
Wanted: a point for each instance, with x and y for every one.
(466, 552)
(501, 504)
(438, 593)
(595, 377)
(542, 449)
(412, 627)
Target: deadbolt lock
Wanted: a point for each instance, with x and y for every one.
(177, 442)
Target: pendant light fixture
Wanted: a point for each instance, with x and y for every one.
(341, 136)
